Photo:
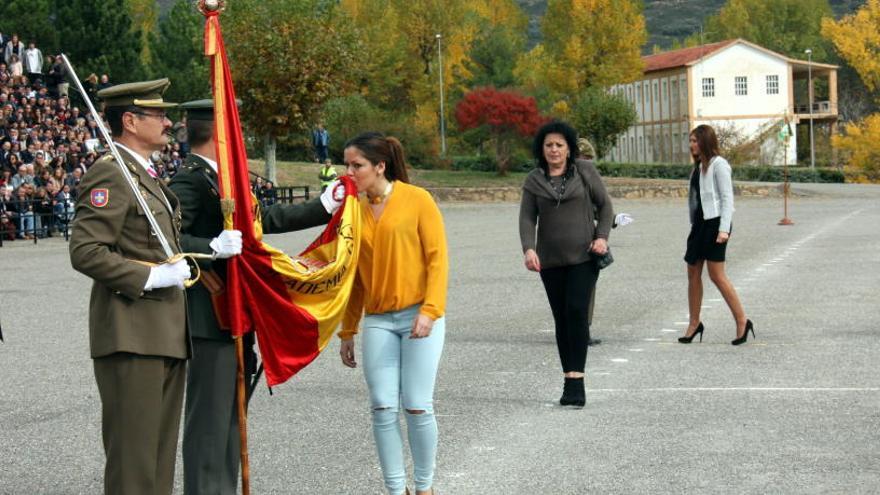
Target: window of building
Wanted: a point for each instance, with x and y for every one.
(664, 90)
(632, 146)
(741, 85)
(641, 99)
(656, 91)
(708, 87)
(773, 85)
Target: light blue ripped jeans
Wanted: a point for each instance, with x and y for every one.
(398, 370)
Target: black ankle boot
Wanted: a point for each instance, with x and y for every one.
(573, 393)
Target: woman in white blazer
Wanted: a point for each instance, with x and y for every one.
(710, 202)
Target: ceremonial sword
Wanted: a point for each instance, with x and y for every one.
(154, 225)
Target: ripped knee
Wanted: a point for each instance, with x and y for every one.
(415, 411)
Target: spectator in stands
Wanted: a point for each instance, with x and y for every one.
(16, 69)
(13, 47)
(33, 63)
(25, 212)
(22, 176)
(72, 181)
(269, 194)
(105, 82)
(64, 207)
(44, 203)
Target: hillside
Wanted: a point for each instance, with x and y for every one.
(668, 19)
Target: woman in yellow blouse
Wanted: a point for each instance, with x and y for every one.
(401, 281)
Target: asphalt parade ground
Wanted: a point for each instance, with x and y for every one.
(795, 411)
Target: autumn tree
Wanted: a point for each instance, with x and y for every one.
(506, 114)
(602, 116)
(785, 26)
(861, 143)
(598, 42)
(287, 60)
(856, 38)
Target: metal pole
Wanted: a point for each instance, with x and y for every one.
(442, 113)
(810, 93)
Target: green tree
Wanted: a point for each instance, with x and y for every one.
(785, 26)
(493, 55)
(601, 117)
(30, 19)
(178, 53)
(302, 54)
(97, 36)
(144, 16)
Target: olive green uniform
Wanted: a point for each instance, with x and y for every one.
(138, 340)
(211, 450)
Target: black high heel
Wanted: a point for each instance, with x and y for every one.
(745, 337)
(698, 330)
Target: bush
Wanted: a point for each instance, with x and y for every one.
(481, 163)
(745, 173)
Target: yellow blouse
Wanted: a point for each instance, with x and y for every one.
(403, 258)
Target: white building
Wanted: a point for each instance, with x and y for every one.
(741, 89)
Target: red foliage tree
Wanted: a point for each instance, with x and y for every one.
(505, 113)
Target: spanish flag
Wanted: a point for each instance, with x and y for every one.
(294, 304)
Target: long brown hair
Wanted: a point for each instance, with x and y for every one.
(376, 147)
(707, 141)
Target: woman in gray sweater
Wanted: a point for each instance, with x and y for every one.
(710, 203)
(561, 241)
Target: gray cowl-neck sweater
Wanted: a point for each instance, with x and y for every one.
(566, 224)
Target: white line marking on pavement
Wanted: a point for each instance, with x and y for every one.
(651, 339)
(635, 350)
(619, 360)
(681, 323)
(669, 330)
(739, 389)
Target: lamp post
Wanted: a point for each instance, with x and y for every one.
(809, 53)
(442, 113)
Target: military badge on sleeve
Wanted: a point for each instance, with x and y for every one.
(100, 197)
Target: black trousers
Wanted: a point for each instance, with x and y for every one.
(569, 290)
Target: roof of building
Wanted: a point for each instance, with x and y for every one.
(688, 56)
(682, 57)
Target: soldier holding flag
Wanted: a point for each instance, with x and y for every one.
(211, 448)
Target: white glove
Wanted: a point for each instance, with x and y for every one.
(623, 219)
(227, 244)
(333, 196)
(168, 275)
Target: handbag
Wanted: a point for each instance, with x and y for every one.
(606, 259)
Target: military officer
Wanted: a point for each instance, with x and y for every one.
(137, 316)
(211, 451)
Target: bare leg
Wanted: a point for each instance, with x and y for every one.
(728, 292)
(695, 295)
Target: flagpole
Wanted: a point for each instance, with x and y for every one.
(213, 48)
(242, 417)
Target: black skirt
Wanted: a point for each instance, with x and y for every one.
(701, 243)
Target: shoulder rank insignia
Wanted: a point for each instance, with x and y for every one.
(100, 197)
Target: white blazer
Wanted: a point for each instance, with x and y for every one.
(716, 193)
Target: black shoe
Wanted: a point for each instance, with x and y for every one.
(592, 342)
(745, 336)
(573, 393)
(698, 330)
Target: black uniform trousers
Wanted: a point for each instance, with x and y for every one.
(569, 290)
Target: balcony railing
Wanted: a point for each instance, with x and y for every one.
(818, 107)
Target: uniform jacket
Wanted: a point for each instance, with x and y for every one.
(196, 187)
(110, 231)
